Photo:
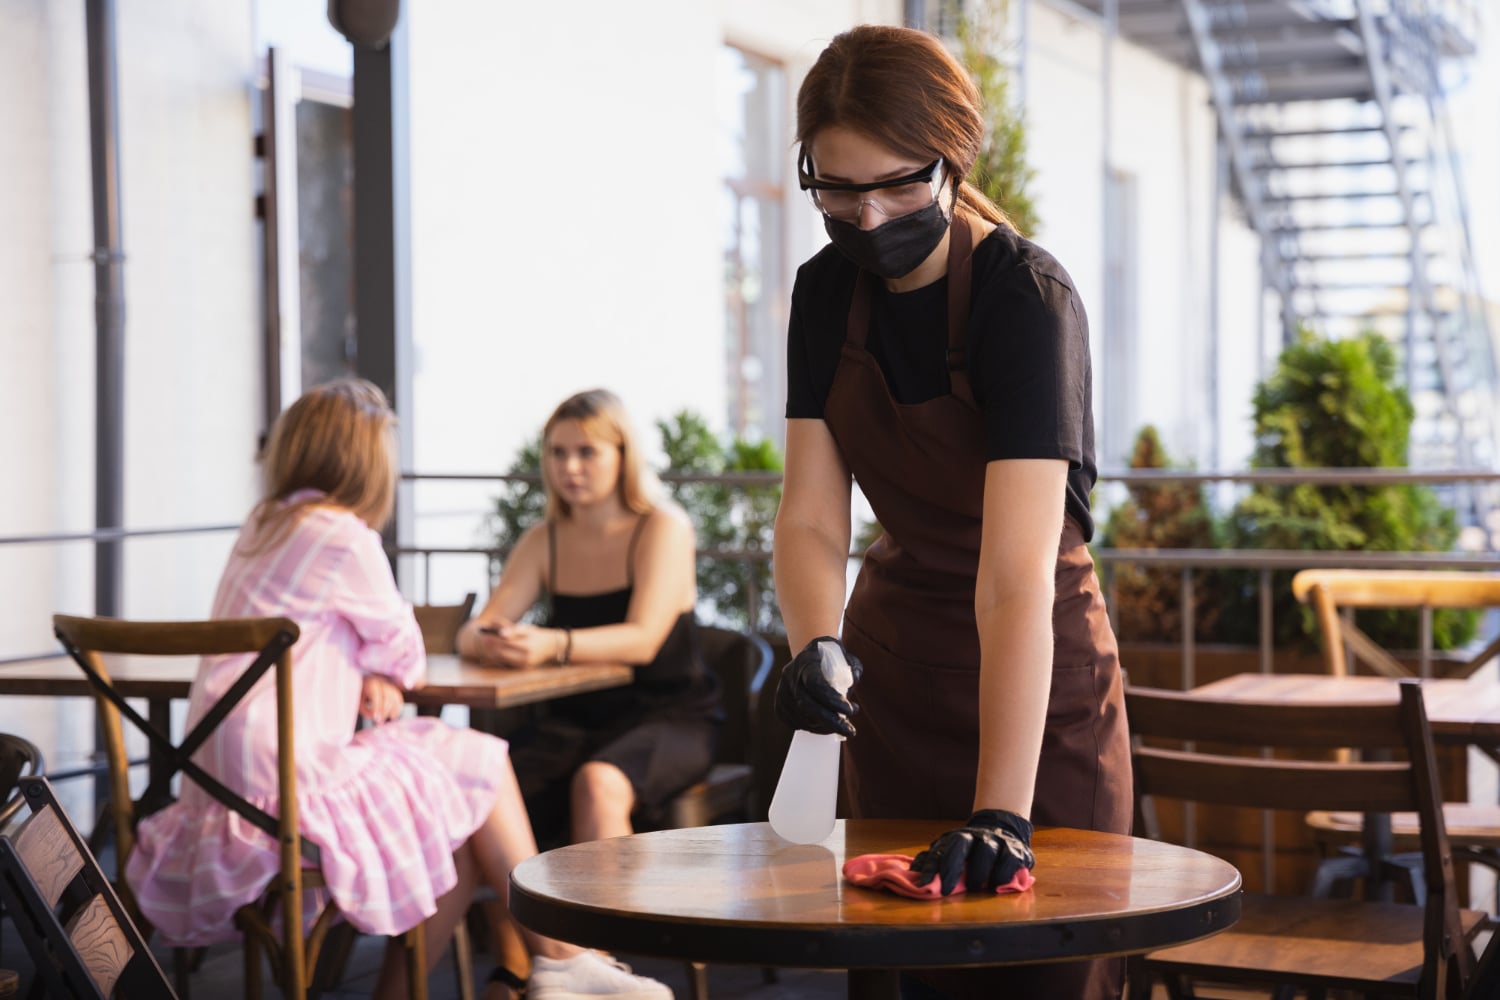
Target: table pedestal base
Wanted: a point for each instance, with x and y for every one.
(874, 984)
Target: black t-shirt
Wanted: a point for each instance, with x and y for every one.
(1027, 351)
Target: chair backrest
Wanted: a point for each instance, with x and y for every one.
(440, 623)
(1335, 594)
(1190, 748)
(741, 661)
(88, 640)
(772, 736)
(19, 758)
(77, 931)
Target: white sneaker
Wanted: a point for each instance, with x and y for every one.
(588, 975)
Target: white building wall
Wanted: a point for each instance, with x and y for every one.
(1161, 131)
(567, 215)
(191, 366)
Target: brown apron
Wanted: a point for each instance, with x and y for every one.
(910, 620)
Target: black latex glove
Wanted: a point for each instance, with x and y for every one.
(986, 853)
(807, 696)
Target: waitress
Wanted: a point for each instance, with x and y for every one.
(941, 360)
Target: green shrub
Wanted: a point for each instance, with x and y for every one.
(1336, 404)
(1147, 600)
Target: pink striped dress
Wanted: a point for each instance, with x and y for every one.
(387, 805)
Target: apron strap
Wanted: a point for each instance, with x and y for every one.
(960, 269)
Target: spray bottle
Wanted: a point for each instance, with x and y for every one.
(803, 806)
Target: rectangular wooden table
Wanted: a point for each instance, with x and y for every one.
(1460, 710)
(450, 680)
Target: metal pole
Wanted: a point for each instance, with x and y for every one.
(109, 302)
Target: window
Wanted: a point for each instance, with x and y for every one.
(753, 139)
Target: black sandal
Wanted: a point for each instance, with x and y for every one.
(510, 980)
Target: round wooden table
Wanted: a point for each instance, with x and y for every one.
(740, 895)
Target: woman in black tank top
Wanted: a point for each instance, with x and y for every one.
(613, 566)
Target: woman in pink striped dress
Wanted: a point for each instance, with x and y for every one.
(408, 813)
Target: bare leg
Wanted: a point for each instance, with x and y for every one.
(437, 929)
(602, 799)
(503, 841)
(505, 934)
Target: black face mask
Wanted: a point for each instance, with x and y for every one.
(892, 249)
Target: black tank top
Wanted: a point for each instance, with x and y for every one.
(675, 684)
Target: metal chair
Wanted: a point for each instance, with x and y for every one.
(19, 758)
(80, 936)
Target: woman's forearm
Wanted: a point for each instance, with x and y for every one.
(1015, 680)
(626, 642)
(810, 567)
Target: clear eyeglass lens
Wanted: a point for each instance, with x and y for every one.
(890, 202)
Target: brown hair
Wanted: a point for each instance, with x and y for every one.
(601, 415)
(903, 88)
(338, 438)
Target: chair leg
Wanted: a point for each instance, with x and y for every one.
(463, 960)
(1137, 979)
(416, 963)
(252, 968)
(184, 961)
(697, 981)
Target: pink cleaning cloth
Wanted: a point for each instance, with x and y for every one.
(893, 872)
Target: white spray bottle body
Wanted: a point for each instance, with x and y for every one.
(802, 809)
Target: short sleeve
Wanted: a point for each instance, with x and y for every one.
(390, 641)
(1030, 369)
(815, 331)
(802, 399)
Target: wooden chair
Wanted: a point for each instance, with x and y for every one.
(741, 661)
(1336, 595)
(1394, 949)
(440, 623)
(292, 956)
(79, 934)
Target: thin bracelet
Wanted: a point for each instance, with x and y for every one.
(567, 653)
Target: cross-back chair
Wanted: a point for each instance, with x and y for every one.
(82, 941)
(440, 623)
(1335, 596)
(292, 956)
(1193, 749)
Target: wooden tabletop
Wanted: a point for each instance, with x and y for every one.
(739, 894)
(450, 680)
(1460, 710)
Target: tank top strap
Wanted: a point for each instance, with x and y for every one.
(552, 558)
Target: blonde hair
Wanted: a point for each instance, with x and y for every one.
(602, 416)
(339, 438)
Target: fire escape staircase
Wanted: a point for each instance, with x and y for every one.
(1332, 115)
